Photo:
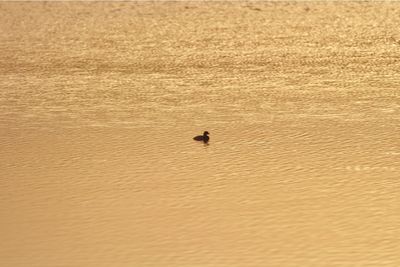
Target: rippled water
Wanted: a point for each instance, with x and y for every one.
(99, 103)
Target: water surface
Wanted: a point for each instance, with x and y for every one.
(99, 103)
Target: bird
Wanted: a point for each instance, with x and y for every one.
(203, 137)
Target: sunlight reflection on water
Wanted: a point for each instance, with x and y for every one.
(100, 101)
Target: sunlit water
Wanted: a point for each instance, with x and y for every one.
(99, 103)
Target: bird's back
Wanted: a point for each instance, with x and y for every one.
(198, 138)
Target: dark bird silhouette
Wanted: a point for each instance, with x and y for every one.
(203, 137)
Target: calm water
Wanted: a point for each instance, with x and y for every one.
(99, 103)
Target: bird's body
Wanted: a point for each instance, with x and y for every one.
(203, 137)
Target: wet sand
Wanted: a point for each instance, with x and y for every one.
(99, 103)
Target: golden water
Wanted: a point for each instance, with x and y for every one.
(99, 103)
